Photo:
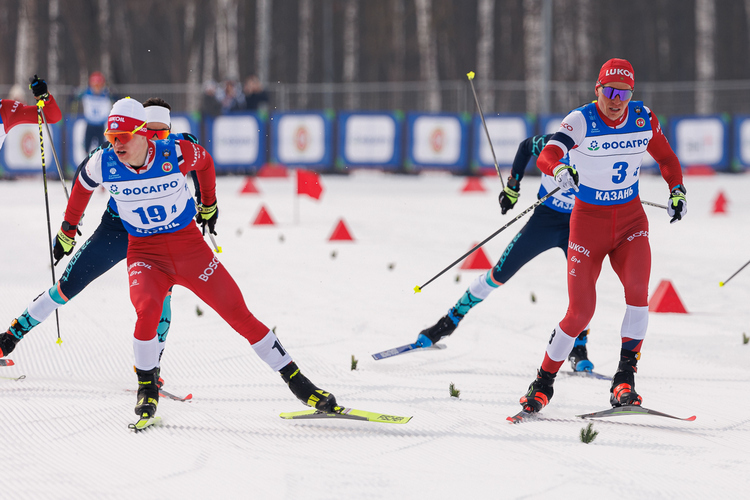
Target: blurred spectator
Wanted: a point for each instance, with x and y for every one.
(210, 105)
(256, 98)
(229, 97)
(96, 102)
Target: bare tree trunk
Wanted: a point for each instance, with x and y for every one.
(532, 49)
(305, 48)
(398, 48)
(222, 45)
(351, 50)
(26, 46)
(485, 50)
(428, 53)
(123, 34)
(263, 40)
(705, 69)
(564, 51)
(209, 53)
(233, 62)
(584, 41)
(191, 41)
(53, 59)
(104, 27)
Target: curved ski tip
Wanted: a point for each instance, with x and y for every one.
(690, 419)
(188, 397)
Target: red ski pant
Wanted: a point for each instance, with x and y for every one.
(157, 262)
(620, 231)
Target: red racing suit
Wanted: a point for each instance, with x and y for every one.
(165, 247)
(607, 218)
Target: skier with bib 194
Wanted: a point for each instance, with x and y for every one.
(147, 179)
(606, 141)
(547, 228)
(106, 247)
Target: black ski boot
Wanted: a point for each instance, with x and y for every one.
(148, 393)
(579, 357)
(443, 328)
(540, 392)
(305, 390)
(8, 342)
(623, 383)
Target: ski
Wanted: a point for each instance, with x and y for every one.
(586, 373)
(349, 413)
(631, 410)
(522, 416)
(166, 394)
(144, 423)
(14, 378)
(404, 349)
(6, 362)
(169, 395)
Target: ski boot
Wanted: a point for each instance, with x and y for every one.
(578, 357)
(8, 342)
(306, 391)
(623, 383)
(159, 380)
(443, 328)
(540, 392)
(148, 393)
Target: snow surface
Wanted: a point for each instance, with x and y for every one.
(65, 429)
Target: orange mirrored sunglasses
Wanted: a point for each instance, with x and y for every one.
(123, 136)
(158, 134)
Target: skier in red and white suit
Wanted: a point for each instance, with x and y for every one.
(14, 113)
(606, 141)
(146, 178)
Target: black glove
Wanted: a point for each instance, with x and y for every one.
(509, 196)
(63, 244)
(677, 208)
(39, 88)
(207, 216)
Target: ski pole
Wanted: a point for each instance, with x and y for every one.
(538, 202)
(652, 204)
(722, 283)
(40, 105)
(217, 248)
(470, 74)
(54, 153)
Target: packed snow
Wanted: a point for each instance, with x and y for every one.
(66, 435)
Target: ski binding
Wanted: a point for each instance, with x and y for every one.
(144, 423)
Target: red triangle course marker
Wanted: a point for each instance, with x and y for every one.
(341, 232)
(477, 260)
(666, 300)
(263, 218)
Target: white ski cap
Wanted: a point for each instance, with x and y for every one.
(127, 115)
(158, 114)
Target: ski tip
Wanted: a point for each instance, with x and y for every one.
(690, 419)
(7, 362)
